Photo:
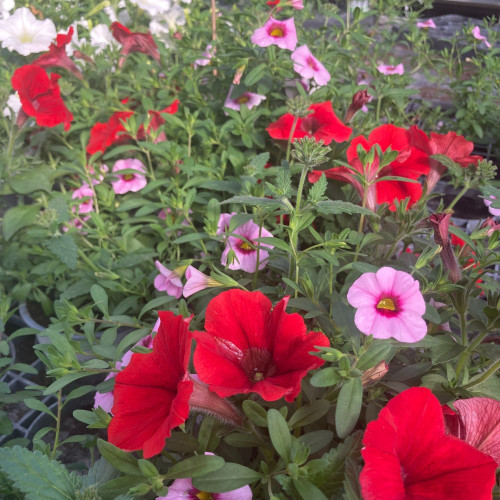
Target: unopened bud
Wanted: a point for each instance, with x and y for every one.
(373, 375)
(359, 99)
(299, 106)
(309, 152)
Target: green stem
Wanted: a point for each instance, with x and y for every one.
(88, 261)
(379, 107)
(470, 349)
(256, 275)
(463, 327)
(292, 131)
(459, 195)
(361, 223)
(302, 180)
(486, 375)
(58, 424)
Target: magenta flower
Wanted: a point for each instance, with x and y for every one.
(274, 32)
(488, 202)
(86, 193)
(168, 281)
(183, 489)
(129, 182)
(477, 35)
(307, 66)
(197, 281)
(248, 98)
(246, 251)
(389, 304)
(224, 220)
(429, 23)
(387, 69)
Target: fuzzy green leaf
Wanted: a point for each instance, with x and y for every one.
(65, 249)
(229, 477)
(18, 217)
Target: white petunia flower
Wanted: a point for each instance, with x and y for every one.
(25, 34)
(5, 7)
(123, 17)
(101, 37)
(153, 7)
(173, 18)
(13, 105)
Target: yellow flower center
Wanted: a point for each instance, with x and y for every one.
(26, 37)
(258, 377)
(387, 304)
(277, 32)
(243, 99)
(203, 495)
(128, 177)
(246, 246)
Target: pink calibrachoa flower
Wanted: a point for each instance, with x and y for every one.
(488, 202)
(248, 98)
(87, 194)
(429, 23)
(168, 281)
(197, 281)
(207, 57)
(387, 69)
(307, 66)
(275, 32)
(129, 182)
(224, 220)
(183, 489)
(246, 251)
(477, 35)
(389, 304)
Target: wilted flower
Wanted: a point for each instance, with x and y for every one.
(25, 34)
(131, 181)
(477, 35)
(275, 32)
(429, 23)
(389, 304)
(134, 42)
(359, 100)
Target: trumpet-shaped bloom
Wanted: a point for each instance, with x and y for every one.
(387, 69)
(428, 23)
(477, 422)
(322, 124)
(389, 304)
(249, 99)
(197, 281)
(103, 135)
(248, 346)
(40, 96)
(57, 55)
(168, 281)
(134, 42)
(307, 66)
(130, 181)
(408, 455)
(477, 35)
(153, 7)
(25, 34)
(246, 249)
(274, 32)
(182, 489)
(152, 393)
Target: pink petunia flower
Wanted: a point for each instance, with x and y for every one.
(274, 32)
(488, 202)
(389, 304)
(87, 194)
(477, 35)
(168, 281)
(246, 252)
(98, 177)
(248, 98)
(387, 69)
(307, 66)
(129, 182)
(184, 489)
(224, 220)
(429, 23)
(197, 281)
(207, 57)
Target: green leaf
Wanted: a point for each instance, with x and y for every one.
(63, 382)
(60, 205)
(316, 440)
(445, 350)
(256, 201)
(190, 237)
(326, 377)
(118, 486)
(18, 217)
(307, 490)
(32, 180)
(342, 207)
(65, 249)
(155, 303)
(196, 466)
(310, 413)
(463, 236)
(35, 404)
(260, 160)
(255, 412)
(229, 477)
(181, 442)
(119, 459)
(6, 426)
(256, 74)
(375, 354)
(348, 406)
(38, 477)
(318, 190)
(280, 434)
(275, 242)
(100, 298)
(431, 315)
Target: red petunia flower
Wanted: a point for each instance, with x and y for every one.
(410, 163)
(250, 347)
(477, 422)
(408, 455)
(157, 121)
(41, 96)
(134, 42)
(56, 56)
(104, 135)
(152, 393)
(454, 146)
(322, 124)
